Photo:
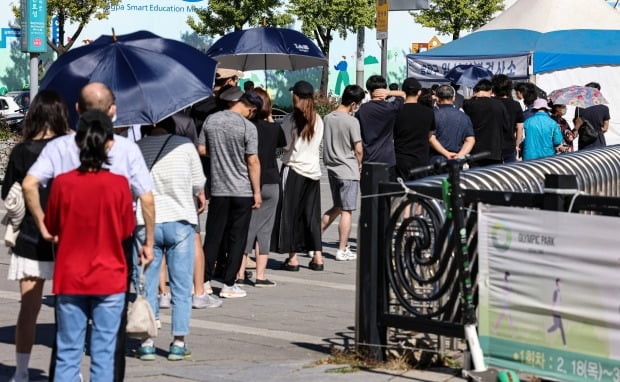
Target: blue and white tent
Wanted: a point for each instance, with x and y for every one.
(555, 43)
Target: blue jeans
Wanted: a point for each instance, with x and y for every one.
(72, 314)
(176, 241)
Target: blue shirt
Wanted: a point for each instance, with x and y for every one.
(542, 135)
(62, 155)
(452, 126)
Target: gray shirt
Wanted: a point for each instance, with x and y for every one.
(229, 137)
(342, 131)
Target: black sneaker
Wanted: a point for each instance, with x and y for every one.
(264, 283)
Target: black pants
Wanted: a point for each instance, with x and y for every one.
(121, 336)
(228, 221)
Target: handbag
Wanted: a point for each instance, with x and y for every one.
(140, 318)
(587, 133)
(16, 210)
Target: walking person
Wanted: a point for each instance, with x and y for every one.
(300, 216)
(231, 142)
(31, 258)
(557, 318)
(177, 174)
(90, 274)
(342, 156)
(270, 138)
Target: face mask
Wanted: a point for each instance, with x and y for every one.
(563, 111)
(114, 118)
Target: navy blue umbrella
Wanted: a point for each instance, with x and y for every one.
(468, 75)
(150, 76)
(266, 48)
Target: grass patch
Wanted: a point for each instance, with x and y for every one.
(355, 361)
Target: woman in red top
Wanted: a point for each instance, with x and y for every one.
(90, 213)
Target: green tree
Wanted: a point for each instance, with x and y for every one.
(78, 12)
(454, 16)
(222, 16)
(321, 19)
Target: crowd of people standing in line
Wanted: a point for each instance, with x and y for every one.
(225, 152)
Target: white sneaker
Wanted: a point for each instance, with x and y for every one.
(205, 301)
(232, 291)
(207, 286)
(164, 300)
(345, 255)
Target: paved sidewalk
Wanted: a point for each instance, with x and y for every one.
(273, 334)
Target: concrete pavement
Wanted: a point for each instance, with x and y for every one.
(273, 334)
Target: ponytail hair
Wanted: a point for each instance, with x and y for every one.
(304, 115)
(93, 132)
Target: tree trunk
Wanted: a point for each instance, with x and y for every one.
(325, 73)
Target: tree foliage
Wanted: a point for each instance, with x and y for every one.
(321, 19)
(454, 16)
(78, 12)
(222, 16)
(17, 76)
(202, 43)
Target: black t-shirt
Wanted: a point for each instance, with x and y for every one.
(489, 117)
(515, 115)
(270, 137)
(413, 124)
(596, 115)
(377, 127)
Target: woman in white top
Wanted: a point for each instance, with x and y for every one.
(300, 218)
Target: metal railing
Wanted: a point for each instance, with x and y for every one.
(408, 273)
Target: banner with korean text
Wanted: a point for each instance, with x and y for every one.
(549, 293)
(435, 68)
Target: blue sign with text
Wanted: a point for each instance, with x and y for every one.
(34, 26)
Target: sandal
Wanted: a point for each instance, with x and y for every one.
(289, 267)
(316, 267)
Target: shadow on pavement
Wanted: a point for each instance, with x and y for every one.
(45, 335)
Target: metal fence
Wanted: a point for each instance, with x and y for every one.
(408, 275)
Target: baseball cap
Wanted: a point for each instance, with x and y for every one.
(303, 89)
(231, 94)
(540, 104)
(228, 73)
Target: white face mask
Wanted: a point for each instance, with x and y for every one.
(114, 118)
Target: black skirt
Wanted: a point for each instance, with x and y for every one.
(299, 225)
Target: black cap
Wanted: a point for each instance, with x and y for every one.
(303, 89)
